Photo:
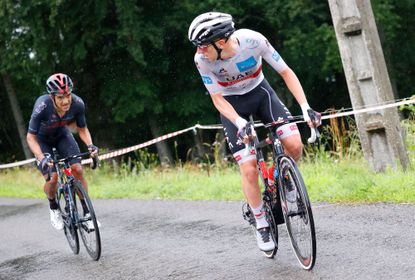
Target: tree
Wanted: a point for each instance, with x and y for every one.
(133, 65)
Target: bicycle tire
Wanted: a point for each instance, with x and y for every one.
(91, 238)
(274, 231)
(298, 214)
(69, 228)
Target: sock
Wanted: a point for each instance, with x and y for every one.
(52, 204)
(259, 214)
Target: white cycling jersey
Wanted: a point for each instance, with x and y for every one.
(243, 72)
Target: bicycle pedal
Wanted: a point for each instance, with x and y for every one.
(247, 214)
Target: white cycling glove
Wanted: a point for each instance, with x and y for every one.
(304, 108)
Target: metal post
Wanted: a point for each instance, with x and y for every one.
(368, 83)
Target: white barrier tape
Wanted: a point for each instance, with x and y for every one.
(365, 110)
(198, 126)
(118, 152)
(139, 146)
(215, 126)
(368, 109)
(14, 164)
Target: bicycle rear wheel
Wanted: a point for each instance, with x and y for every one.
(69, 227)
(88, 226)
(297, 213)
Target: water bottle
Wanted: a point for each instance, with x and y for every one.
(271, 176)
(276, 174)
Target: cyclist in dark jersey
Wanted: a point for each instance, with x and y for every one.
(230, 64)
(48, 128)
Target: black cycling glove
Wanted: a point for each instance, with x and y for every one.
(315, 117)
(93, 149)
(45, 163)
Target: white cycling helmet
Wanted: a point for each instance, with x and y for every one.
(209, 27)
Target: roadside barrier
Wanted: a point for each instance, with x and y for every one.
(123, 151)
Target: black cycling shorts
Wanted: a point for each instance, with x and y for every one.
(64, 143)
(261, 102)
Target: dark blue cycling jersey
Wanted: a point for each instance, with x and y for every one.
(45, 122)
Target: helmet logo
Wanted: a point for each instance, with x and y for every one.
(204, 34)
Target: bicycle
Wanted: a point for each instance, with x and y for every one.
(69, 194)
(296, 212)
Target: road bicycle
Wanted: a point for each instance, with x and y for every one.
(76, 207)
(286, 200)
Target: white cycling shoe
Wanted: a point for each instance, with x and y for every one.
(90, 223)
(264, 239)
(56, 219)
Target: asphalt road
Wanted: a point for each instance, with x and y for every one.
(205, 240)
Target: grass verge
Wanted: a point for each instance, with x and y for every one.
(327, 180)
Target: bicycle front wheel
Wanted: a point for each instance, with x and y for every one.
(88, 225)
(297, 213)
(274, 230)
(69, 226)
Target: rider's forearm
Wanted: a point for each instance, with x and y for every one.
(294, 85)
(224, 107)
(85, 135)
(34, 146)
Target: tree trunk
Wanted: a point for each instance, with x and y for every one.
(163, 150)
(17, 114)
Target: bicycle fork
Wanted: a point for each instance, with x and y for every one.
(71, 217)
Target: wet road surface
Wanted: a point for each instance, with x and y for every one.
(205, 240)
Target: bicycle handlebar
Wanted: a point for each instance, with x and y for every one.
(94, 165)
(315, 134)
(316, 120)
(251, 133)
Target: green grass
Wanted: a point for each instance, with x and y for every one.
(334, 172)
(352, 181)
(327, 180)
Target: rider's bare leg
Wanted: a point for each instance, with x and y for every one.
(78, 173)
(50, 186)
(293, 146)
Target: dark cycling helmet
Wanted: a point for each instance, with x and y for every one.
(58, 84)
(209, 27)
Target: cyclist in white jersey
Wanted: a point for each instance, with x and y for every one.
(230, 63)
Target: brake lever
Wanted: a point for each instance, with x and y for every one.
(95, 162)
(315, 134)
(247, 150)
(251, 134)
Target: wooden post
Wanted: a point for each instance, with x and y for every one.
(368, 83)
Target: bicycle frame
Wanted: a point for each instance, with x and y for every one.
(76, 199)
(278, 151)
(293, 210)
